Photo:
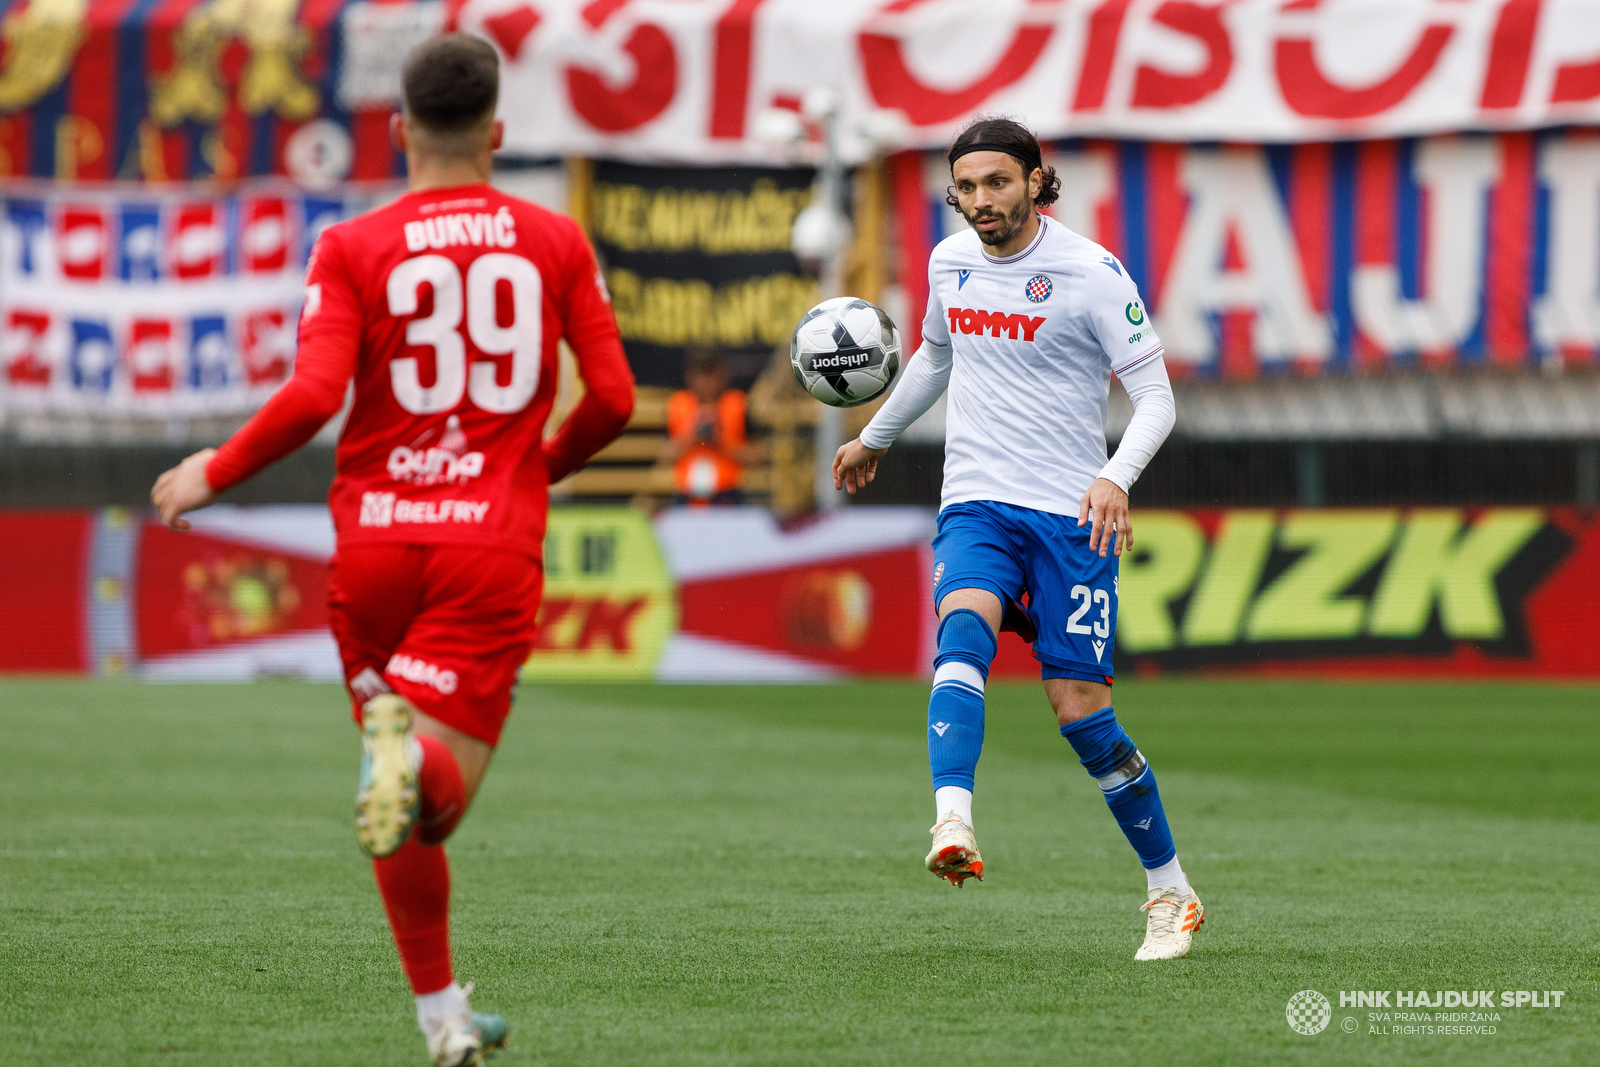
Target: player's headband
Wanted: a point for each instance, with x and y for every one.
(1029, 163)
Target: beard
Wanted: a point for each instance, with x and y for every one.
(1010, 223)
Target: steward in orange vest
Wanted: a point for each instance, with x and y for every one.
(708, 445)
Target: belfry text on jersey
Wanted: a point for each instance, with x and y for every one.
(969, 320)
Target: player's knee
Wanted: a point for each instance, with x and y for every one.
(1074, 699)
(988, 606)
(965, 637)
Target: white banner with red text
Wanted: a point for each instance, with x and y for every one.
(687, 80)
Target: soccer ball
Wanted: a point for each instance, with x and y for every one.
(845, 352)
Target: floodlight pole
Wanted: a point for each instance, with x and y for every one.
(828, 191)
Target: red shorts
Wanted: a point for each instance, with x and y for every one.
(446, 626)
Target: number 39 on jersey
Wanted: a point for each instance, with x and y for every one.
(468, 309)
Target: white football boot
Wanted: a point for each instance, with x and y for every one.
(1171, 920)
(467, 1039)
(955, 851)
(387, 798)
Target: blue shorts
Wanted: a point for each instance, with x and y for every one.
(1040, 566)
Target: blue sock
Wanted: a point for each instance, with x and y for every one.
(955, 710)
(1128, 783)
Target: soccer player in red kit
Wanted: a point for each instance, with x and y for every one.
(445, 308)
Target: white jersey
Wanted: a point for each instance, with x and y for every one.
(1033, 340)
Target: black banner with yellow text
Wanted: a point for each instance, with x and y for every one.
(699, 256)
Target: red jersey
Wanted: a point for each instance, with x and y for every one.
(445, 307)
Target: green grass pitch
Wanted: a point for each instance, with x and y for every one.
(732, 875)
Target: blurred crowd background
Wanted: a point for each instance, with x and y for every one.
(1369, 235)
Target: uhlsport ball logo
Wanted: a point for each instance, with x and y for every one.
(1040, 288)
(1308, 1012)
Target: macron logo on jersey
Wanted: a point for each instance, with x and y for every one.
(969, 320)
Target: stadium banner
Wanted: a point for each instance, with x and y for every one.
(48, 590)
(1477, 251)
(1444, 592)
(670, 80)
(161, 303)
(699, 256)
(95, 90)
(610, 605)
(730, 595)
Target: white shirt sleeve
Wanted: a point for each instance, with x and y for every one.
(935, 323)
(1154, 412)
(1126, 334)
(927, 375)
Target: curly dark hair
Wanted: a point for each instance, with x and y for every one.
(1012, 138)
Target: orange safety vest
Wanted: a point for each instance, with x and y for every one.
(707, 468)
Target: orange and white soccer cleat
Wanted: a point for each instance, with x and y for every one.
(1171, 920)
(955, 851)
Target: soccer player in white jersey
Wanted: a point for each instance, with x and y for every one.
(1026, 323)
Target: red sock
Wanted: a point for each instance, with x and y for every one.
(415, 885)
(415, 881)
(443, 794)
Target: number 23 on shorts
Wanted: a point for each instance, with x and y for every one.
(1090, 598)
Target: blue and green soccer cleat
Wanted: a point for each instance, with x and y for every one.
(387, 798)
(466, 1040)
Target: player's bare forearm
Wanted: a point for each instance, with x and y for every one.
(182, 489)
(1107, 506)
(855, 465)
